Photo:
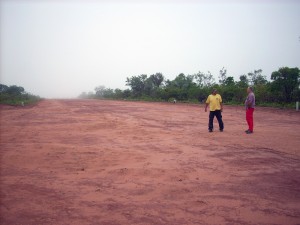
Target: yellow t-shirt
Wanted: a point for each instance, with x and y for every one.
(214, 102)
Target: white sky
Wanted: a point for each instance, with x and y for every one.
(58, 49)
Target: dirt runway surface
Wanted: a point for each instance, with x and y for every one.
(116, 163)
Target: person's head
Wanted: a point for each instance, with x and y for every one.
(249, 90)
(214, 91)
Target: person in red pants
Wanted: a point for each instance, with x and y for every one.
(250, 105)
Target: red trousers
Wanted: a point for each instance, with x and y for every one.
(249, 118)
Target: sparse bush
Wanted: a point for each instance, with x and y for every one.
(15, 95)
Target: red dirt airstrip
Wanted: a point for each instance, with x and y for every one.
(116, 162)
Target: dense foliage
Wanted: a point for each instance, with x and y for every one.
(282, 88)
(16, 95)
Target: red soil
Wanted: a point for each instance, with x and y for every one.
(112, 162)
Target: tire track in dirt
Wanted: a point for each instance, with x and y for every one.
(111, 162)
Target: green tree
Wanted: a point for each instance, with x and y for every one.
(204, 80)
(179, 87)
(137, 84)
(127, 93)
(222, 75)
(241, 87)
(108, 93)
(243, 82)
(100, 91)
(257, 78)
(83, 95)
(286, 81)
(157, 79)
(3, 88)
(183, 82)
(16, 95)
(118, 93)
(263, 93)
(228, 89)
(229, 81)
(15, 90)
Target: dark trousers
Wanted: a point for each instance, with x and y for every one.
(218, 114)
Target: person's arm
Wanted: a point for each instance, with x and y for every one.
(207, 103)
(249, 101)
(221, 104)
(206, 107)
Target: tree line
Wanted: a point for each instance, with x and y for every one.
(15, 95)
(282, 88)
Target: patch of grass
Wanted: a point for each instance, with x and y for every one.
(19, 100)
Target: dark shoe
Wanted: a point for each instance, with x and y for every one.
(210, 130)
(249, 132)
(221, 130)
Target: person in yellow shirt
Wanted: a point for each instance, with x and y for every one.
(215, 107)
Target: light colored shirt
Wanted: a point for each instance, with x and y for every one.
(250, 101)
(214, 102)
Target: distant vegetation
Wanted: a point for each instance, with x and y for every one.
(281, 90)
(16, 95)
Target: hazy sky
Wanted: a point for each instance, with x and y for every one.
(62, 48)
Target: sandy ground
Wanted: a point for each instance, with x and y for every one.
(116, 162)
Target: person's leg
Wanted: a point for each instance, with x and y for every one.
(219, 118)
(249, 118)
(211, 120)
(251, 110)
